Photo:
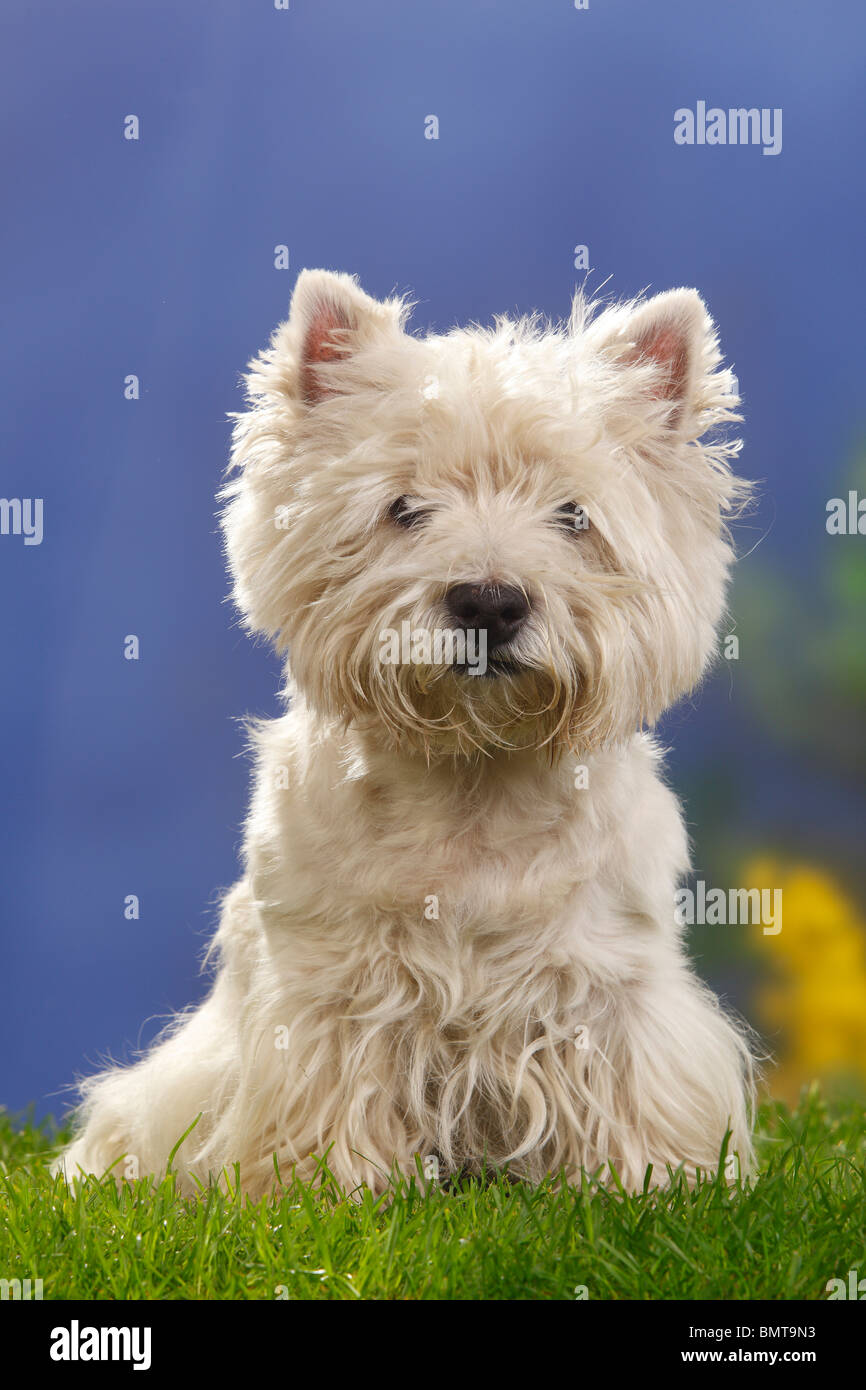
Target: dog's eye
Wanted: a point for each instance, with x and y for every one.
(573, 517)
(402, 513)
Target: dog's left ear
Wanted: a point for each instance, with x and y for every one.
(330, 319)
(672, 341)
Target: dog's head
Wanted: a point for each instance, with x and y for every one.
(495, 538)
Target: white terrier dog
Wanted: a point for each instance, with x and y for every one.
(455, 932)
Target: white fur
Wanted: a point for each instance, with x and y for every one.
(345, 1015)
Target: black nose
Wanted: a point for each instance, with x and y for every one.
(500, 608)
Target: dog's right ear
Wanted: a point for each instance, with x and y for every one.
(330, 319)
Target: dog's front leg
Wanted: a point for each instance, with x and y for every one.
(679, 1078)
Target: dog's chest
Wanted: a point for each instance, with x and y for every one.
(473, 865)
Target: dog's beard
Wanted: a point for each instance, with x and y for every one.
(448, 709)
(455, 710)
(571, 680)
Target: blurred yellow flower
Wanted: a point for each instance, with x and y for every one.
(815, 1005)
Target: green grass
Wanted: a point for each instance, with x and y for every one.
(802, 1222)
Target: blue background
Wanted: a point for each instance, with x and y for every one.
(306, 127)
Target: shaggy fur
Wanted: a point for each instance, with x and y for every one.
(455, 930)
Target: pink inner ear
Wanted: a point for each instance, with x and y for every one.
(319, 347)
(668, 347)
